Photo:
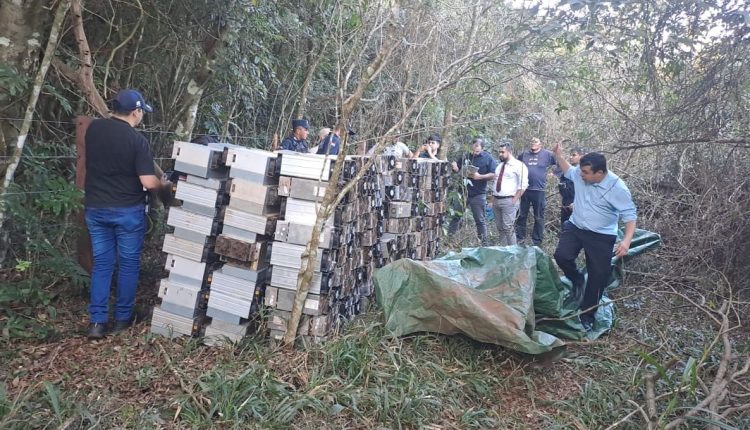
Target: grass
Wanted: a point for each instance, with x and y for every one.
(363, 379)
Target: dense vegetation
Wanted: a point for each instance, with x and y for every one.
(661, 87)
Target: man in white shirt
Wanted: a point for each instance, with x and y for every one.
(398, 149)
(511, 180)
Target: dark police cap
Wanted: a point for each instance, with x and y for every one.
(130, 99)
(300, 123)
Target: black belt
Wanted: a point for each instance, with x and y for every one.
(502, 197)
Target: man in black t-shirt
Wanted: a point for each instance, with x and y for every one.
(480, 167)
(119, 170)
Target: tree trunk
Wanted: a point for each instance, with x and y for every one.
(21, 56)
(313, 60)
(333, 196)
(447, 131)
(24, 23)
(184, 122)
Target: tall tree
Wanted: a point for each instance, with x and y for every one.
(23, 39)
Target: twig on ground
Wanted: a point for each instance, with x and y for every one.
(184, 385)
(583, 311)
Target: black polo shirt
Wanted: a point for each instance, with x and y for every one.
(485, 164)
(116, 154)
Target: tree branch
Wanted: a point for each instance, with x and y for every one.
(741, 142)
(85, 74)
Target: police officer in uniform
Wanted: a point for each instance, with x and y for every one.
(297, 141)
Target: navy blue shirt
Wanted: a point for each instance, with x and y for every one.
(323, 147)
(538, 164)
(291, 144)
(566, 187)
(484, 164)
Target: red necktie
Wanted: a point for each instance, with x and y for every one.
(500, 179)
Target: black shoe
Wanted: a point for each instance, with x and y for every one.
(578, 291)
(575, 295)
(122, 325)
(97, 330)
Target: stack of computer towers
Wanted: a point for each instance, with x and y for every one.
(415, 195)
(202, 188)
(303, 182)
(244, 245)
(246, 221)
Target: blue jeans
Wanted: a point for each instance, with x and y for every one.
(116, 235)
(537, 200)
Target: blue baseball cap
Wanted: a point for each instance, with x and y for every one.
(129, 99)
(300, 123)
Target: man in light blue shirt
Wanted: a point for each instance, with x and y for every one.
(601, 200)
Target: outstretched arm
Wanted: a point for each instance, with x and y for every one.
(562, 163)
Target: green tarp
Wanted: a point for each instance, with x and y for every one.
(510, 296)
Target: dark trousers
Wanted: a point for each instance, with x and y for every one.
(478, 205)
(565, 213)
(537, 200)
(597, 248)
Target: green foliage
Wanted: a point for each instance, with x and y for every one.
(12, 84)
(22, 265)
(600, 405)
(64, 103)
(363, 375)
(40, 206)
(144, 376)
(53, 397)
(5, 403)
(39, 406)
(26, 310)
(252, 395)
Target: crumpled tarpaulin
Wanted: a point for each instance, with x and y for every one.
(510, 296)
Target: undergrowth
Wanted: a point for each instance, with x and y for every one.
(365, 378)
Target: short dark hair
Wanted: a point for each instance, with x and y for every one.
(596, 161)
(578, 150)
(477, 141)
(507, 145)
(205, 139)
(122, 112)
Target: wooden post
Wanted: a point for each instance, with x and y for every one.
(85, 254)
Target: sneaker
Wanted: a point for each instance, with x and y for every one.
(122, 325)
(97, 330)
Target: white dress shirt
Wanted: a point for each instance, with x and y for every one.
(515, 177)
